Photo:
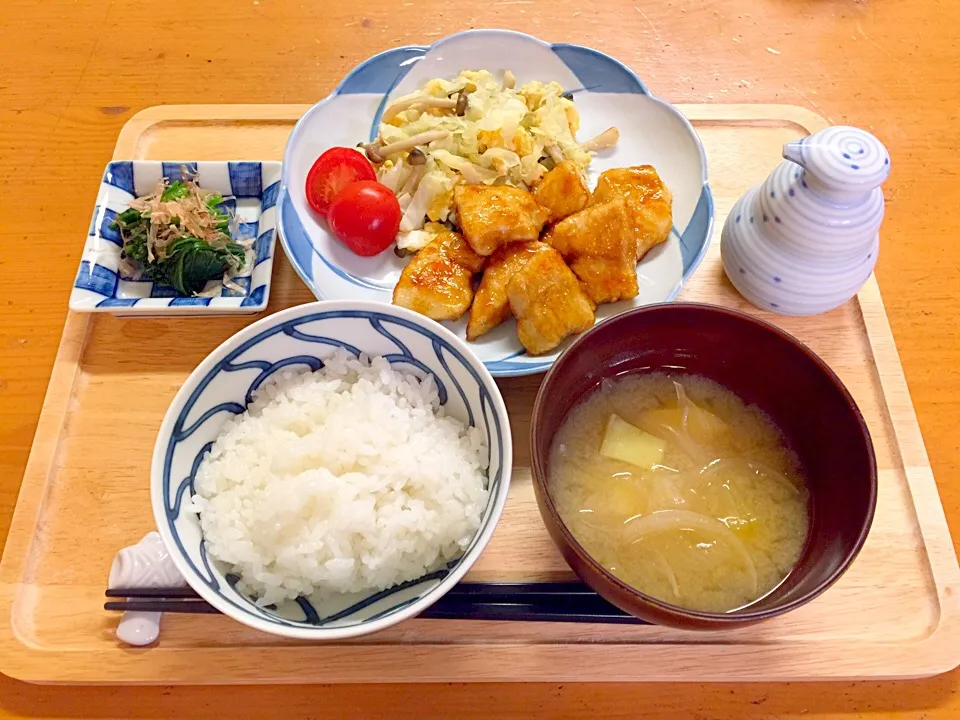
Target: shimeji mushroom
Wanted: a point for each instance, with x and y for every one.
(377, 152)
(607, 139)
(555, 153)
(416, 157)
(461, 106)
(413, 181)
(420, 102)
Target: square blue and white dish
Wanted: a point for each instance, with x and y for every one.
(652, 131)
(250, 192)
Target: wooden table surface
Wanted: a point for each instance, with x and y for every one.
(73, 71)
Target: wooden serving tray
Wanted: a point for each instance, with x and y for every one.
(896, 612)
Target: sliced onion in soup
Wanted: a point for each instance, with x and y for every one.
(665, 568)
(637, 528)
(619, 499)
(708, 494)
(743, 467)
(680, 435)
(663, 490)
(686, 444)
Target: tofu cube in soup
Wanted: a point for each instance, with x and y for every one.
(492, 216)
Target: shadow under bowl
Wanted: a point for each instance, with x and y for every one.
(765, 367)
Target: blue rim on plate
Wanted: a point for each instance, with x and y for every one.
(382, 73)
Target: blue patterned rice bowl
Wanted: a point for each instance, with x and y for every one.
(300, 339)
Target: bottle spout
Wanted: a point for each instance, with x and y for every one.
(845, 160)
(792, 152)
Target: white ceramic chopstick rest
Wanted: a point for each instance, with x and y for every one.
(806, 239)
(144, 565)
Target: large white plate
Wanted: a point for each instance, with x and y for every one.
(607, 93)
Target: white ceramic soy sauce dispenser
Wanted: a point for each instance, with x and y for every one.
(805, 240)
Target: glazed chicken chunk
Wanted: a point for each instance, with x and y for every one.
(599, 245)
(438, 281)
(562, 191)
(491, 305)
(648, 200)
(492, 216)
(548, 302)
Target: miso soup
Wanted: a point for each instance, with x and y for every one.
(680, 490)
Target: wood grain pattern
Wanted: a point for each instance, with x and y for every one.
(72, 72)
(899, 605)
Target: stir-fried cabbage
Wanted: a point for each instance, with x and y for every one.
(505, 135)
(433, 197)
(416, 240)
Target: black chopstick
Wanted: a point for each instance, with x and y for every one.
(513, 590)
(523, 613)
(526, 602)
(441, 610)
(169, 592)
(192, 607)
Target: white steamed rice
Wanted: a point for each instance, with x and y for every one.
(344, 480)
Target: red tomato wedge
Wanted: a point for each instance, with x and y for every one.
(365, 216)
(333, 171)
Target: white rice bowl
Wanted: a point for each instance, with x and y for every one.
(344, 480)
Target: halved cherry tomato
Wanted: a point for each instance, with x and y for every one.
(333, 171)
(365, 216)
